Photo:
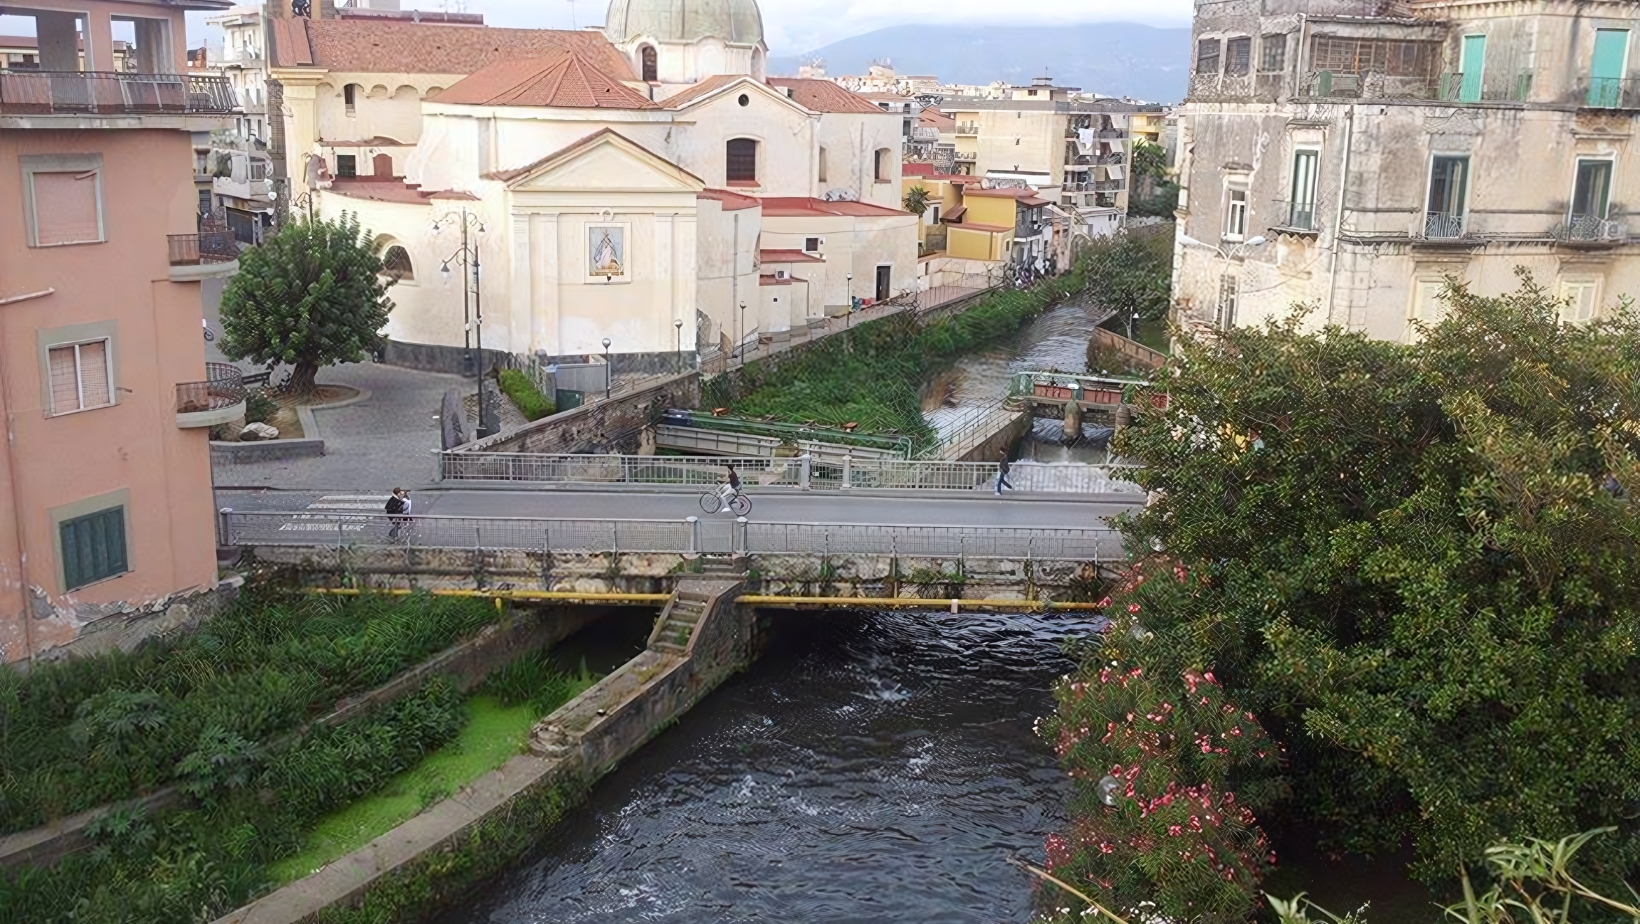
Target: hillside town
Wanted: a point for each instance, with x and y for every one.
(464, 472)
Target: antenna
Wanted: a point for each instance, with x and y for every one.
(574, 23)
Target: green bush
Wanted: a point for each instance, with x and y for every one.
(259, 408)
(525, 396)
(538, 681)
(85, 732)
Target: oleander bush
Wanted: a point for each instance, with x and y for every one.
(86, 732)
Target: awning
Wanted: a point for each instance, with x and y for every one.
(955, 215)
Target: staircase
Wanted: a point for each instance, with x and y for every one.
(678, 621)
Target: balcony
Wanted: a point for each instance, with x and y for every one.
(90, 93)
(968, 128)
(1443, 226)
(1109, 185)
(218, 400)
(1297, 218)
(1094, 160)
(1609, 93)
(967, 157)
(1588, 229)
(204, 255)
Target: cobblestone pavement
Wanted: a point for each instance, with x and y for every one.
(386, 441)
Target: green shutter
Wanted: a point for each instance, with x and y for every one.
(94, 547)
(1473, 66)
(1606, 67)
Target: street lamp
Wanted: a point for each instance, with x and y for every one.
(472, 306)
(678, 343)
(740, 341)
(848, 316)
(606, 369)
(1226, 320)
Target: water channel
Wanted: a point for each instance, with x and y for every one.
(870, 767)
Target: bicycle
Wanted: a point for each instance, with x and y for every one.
(739, 504)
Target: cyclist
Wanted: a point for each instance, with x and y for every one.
(730, 487)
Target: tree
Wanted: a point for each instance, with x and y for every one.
(917, 201)
(1154, 194)
(313, 294)
(1417, 565)
(1132, 273)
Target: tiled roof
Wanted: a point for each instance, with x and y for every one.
(700, 90)
(787, 256)
(916, 170)
(732, 201)
(391, 190)
(936, 119)
(1004, 192)
(798, 207)
(989, 229)
(377, 47)
(823, 95)
(568, 79)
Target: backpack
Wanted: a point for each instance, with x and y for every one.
(395, 505)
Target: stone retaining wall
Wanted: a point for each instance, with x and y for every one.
(615, 425)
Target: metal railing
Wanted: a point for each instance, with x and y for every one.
(1297, 216)
(1443, 226)
(1610, 93)
(205, 247)
(1590, 229)
(100, 93)
(224, 388)
(968, 128)
(695, 535)
(802, 472)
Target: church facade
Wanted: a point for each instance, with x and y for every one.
(649, 186)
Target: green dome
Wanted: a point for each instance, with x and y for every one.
(737, 22)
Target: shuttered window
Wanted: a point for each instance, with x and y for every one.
(80, 377)
(742, 161)
(67, 209)
(1579, 300)
(93, 547)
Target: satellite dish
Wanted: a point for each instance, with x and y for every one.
(842, 195)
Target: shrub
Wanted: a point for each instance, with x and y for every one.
(259, 408)
(525, 395)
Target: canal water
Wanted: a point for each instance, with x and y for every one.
(871, 767)
(1055, 341)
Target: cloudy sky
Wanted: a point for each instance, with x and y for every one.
(796, 26)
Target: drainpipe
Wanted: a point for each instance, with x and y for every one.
(734, 281)
(16, 495)
(1338, 217)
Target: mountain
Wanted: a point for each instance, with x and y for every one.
(1112, 59)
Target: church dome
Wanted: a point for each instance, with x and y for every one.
(736, 22)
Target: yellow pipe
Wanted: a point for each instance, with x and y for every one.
(749, 600)
(918, 602)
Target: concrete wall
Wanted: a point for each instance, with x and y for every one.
(611, 426)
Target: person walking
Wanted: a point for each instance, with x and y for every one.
(398, 513)
(1003, 467)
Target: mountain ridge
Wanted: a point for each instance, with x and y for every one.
(1141, 62)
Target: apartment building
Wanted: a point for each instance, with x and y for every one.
(1076, 151)
(1353, 157)
(107, 526)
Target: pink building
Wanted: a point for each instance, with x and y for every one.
(106, 516)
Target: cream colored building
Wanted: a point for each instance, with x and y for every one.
(612, 207)
(1353, 163)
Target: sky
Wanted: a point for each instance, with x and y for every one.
(796, 26)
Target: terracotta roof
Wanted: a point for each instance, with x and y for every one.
(936, 119)
(965, 179)
(798, 207)
(392, 190)
(787, 256)
(507, 176)
(390, 47)
(1005, 192)
(699, 91)
(1034, 201)
(823, 96)
(568, 79)
(955, 215)
(991, 229)
(380, 141)
(732, 201)
(916, 170)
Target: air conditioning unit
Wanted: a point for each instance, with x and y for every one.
(780, 274)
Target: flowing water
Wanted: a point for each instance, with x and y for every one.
(870, 767)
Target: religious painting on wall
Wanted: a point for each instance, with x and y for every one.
(607, 252)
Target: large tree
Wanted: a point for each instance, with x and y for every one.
(1418, 565)
(313, 294)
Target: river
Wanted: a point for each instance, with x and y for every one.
(870, 767)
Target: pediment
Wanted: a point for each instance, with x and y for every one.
(605, 161)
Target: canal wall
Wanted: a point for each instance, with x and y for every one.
(614, 425)
(445, 851)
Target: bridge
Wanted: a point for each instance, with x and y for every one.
(939, 534)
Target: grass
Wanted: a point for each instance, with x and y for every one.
(525, 395)
(494, 734)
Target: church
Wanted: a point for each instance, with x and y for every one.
(645, 189)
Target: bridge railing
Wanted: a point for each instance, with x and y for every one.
(815, 473)
(306, 530)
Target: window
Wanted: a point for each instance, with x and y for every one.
(259, 170)
(1235, 215)
(66, 207)
(396, 264)
(1472, 68)
(822, 177)
(1272, 54)
(1229, 298)
(651, 64)
(741, 166)
(349, 95)
(1360, 56)
(882, 165)
(1579, 300)
(204, 202)
(1448, 192)
(1591, 195)
(347, 165)
(1207, 56)
(1301, 213)
(811, 245)
(93, 547)
(81, 377)
(1238, 56)
(1608, 67)
(885, 277)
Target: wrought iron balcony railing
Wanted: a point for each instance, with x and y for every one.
(98, 93)
(223, 389)
(1610, 93)
(1590, 229)
(1444, 226)
(205, 247)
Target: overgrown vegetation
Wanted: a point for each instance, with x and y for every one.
(1417, 567)
(82, 733)
(1131, 274)
(525, 395)
(259, 408)
(1154, 195)
(870, 376)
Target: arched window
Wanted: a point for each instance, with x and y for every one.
(396, 264)
(651, 64)
(741, 166)
(350, 97)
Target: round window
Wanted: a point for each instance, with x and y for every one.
(745, 100)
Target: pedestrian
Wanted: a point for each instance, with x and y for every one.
(398, 513)
(1003, 467)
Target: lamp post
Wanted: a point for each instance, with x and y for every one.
(472, 307)
(607, 370)
(1225, 320)
(742, 331)
(848, 316)
(678, 342)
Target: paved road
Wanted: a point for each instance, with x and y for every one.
(959, 509)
